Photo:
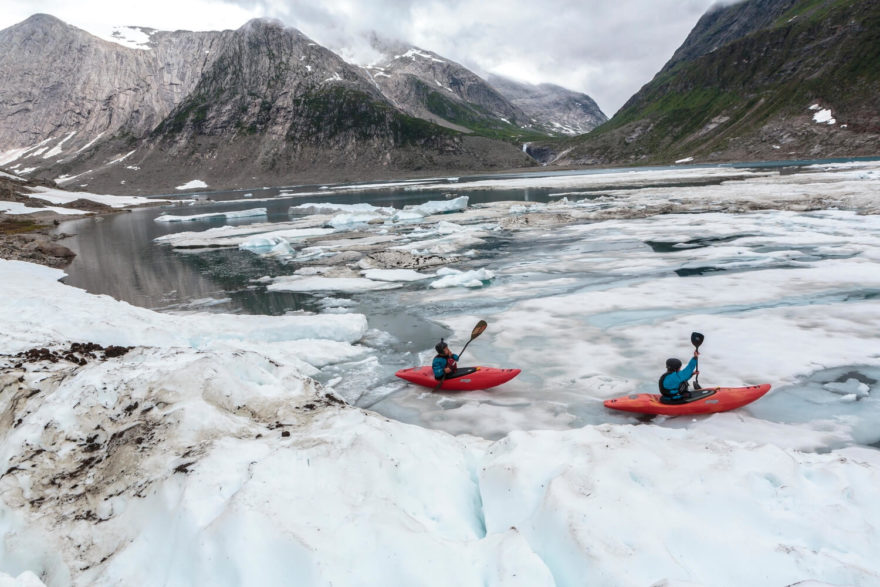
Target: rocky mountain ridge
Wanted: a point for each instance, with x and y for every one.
(260, 104)
(263, 103)
(551, 107)
(429, 86)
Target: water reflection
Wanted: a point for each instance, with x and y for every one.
(116, 254)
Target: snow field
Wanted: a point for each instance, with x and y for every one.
(236, 468)
(215, 491)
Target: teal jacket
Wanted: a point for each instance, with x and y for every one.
(440, 362)
(672, 381)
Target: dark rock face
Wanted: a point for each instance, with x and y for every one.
(722, 26)
(62, 83)
(553, 108)
(234, 108)
(747, 85)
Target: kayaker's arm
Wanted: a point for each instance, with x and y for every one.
(688, 371)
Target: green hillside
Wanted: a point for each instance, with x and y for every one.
(750, 97)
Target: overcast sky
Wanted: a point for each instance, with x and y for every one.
(605, 48)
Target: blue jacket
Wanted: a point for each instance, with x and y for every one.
(673, 380)
(441, 363)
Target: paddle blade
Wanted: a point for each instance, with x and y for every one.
(696, 339)
(478, 329)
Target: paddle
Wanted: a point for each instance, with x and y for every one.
(697, 340)
(477, 331)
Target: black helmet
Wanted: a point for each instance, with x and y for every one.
(673, 364)
(441, 346)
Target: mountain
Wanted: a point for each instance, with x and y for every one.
(262, 104)
(759, 79)
(63, 88)
(429, 86)
(425, 85)
(551, 107)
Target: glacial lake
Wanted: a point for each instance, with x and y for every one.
(552, 303)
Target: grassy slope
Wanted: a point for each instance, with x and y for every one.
(823, 51)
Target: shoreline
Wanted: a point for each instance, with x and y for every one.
(31, 239)
(30, 236)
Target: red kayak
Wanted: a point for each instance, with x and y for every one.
(707, 401)
(465, 378)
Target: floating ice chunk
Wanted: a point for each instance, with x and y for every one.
(212, 215)
(317, 283)
(196, 183)
(395, 275)
(444, 227)
(346, 220)
(330, 207)
(456, 278)
(458, 204)
(523, 209)
(849, 387)
(282, 249)
(407, 216)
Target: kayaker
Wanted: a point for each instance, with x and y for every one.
(674, 383)
(445, 363)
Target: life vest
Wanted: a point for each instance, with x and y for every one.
(450, 362)
(682, 387)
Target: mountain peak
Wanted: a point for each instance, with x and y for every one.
(44, 19)
(41, 21)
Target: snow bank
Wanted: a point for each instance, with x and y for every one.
(56, 196)
(25, 579)
(16, 208)
(193, 184)
(10, 176)
(62, 313)
(207, 452)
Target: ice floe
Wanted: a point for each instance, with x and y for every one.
(455, 278)
(231, 215)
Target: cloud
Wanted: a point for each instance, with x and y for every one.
(605, 49)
